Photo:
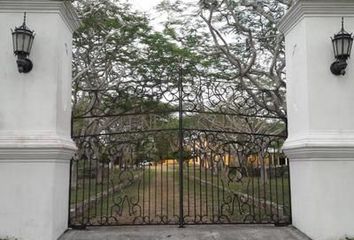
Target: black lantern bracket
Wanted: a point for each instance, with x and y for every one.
(342, 45)
(22, 38)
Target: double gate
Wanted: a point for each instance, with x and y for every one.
(177, 152)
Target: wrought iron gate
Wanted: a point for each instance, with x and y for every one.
(177, 152)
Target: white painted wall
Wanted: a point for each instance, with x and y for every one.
(45, 88)
(35, 110)
(322, 198)
(39, 199)
(320, 145)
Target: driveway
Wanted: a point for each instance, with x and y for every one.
(196, 232)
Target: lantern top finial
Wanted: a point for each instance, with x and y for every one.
(24, 19)
(24, 27)
(342, 31)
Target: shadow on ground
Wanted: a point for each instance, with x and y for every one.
(202, 232)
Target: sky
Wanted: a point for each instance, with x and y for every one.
(144, 5)
(148, 7)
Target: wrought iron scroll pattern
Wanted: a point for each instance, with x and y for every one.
(176, 151)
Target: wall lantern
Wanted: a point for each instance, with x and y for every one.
(342, 46)
(22, 39)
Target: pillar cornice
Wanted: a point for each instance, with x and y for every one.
(324, 146)
(36, 155)
(63, 8)
(322, 138)
(315, 8)
(35, 147)
(320, 154)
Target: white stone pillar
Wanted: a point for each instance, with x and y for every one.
(321, 120)
(35, 109)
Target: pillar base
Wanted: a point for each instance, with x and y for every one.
(34, 186)
(322, 180)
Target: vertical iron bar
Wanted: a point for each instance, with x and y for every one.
(180, 133)
(264, 185)
(143, 191)
(212, 186)
(200, 183)
(167, 193)
(289, 189)
(218, 189)
(89, 190)
(107, 207)
(173, 188)
(188, 188)
(161, 195)
(149, 192)
(155, 173)
(71, 169)
(76, 189)
(282, 188)
(276, 180)
(206, 169)
(102, 183)
(259, 189)
(194, 183)
(253, 174)
(161, 188)
(69, 202)
(96, 186)
(270, 163)
(83, 193)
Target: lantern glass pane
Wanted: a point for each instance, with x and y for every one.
(19, 41)
(26, 43)
(23, 46)
(30, 44)
(21, 36)
(336, 53)
(350, 46)
(340, 45)
(345, 46)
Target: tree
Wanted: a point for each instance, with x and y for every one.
(245, 79)
(125, 79)
(244, 47)
(256, 50)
